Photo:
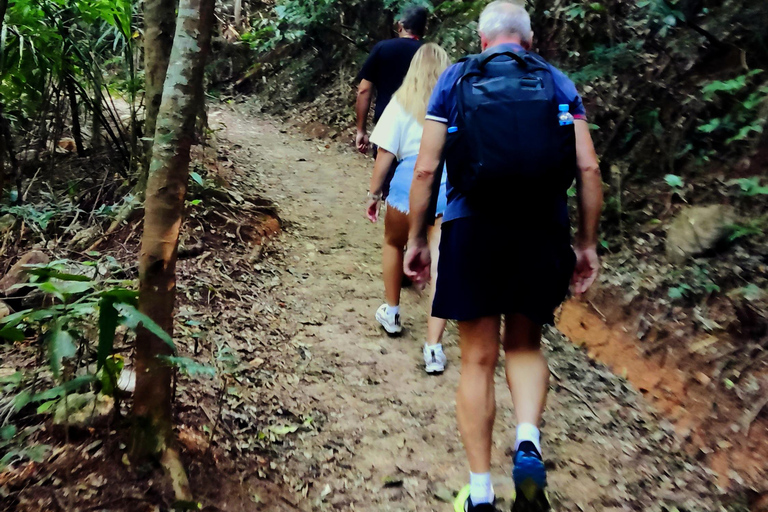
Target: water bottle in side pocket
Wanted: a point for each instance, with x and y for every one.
(565, 117)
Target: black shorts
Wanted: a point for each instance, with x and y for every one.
(490, 267)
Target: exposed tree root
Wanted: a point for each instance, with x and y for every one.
(122, 215)
(751, 415)
(175, 470)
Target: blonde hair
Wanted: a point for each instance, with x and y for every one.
(426, 67)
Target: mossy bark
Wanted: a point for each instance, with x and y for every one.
(163, 212)
(159, 26)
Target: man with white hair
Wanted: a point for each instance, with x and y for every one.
(514, 135)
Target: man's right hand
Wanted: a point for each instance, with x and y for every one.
(362, 142)
(587, 267)
(417, 261)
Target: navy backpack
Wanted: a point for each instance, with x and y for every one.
(508, 141)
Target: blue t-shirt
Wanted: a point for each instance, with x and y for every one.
(442, 108)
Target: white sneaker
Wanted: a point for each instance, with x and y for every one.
(434, 358)
(390, 322)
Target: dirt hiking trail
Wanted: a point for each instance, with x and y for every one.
(384, 434)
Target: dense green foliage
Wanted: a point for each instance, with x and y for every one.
(677, 81)
(71, 68)
(60, 60)
(76, 329)
(48, 39)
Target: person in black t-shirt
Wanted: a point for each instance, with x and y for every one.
(385, 69)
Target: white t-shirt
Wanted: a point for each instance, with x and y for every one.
(398, 132)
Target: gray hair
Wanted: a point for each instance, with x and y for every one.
(502, 18)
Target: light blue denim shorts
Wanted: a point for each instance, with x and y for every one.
(400, 188)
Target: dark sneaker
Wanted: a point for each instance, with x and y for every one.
(485, 507)
(463, 503)
(530, 478)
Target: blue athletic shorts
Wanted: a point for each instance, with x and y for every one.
(497, 266)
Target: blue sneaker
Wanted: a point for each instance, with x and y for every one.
(530, 478)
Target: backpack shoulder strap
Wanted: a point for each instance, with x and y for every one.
(536, 60)
(532, 54)
(468, 64)
(470, 67)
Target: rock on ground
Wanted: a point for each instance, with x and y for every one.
(82, 409)
(697, 229)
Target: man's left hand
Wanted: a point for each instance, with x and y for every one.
(417, 262)
(587, 268)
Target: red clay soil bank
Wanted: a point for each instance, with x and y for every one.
(708, 419)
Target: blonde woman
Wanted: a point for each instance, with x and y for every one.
(398, 136)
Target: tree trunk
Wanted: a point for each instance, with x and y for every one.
(3, 151)
(159, 25)
(163, 209)
(10, 152)
(3, 146)
(77, 133)
(238, 13)
(96, 111)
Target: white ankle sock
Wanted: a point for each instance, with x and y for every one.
(528, 432)
(480, 488)
(393, 310)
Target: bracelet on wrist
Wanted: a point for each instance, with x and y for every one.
(375, 197)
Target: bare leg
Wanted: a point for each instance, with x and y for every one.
(476, 399)
(435, 326)
(526, 366)
(395, 238)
